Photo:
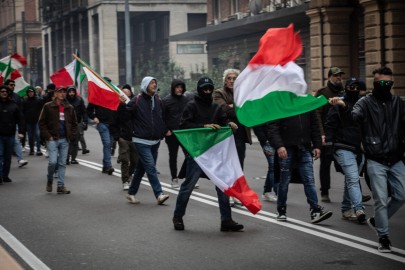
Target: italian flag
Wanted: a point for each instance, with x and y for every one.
(69, 75)
(216, 155)
(101, 92)
(10, 63)
(21, 85)
(272, 86)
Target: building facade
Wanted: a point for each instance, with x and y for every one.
(96, 29)
(356, 35)
(20, 32)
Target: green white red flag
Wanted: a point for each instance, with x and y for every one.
(68, 75)
(101, 92)
(272, 86)
(10, 63)
(216, 155)
(21, 85)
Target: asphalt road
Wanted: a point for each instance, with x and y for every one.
(96, 228)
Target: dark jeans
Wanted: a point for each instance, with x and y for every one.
(193, 173)
(146, 164)
(6, 149)
(173, 145)
(74, 146)
(33, 137)
(240, 148)
(324, 172)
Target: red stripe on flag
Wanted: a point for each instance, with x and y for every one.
(19, 58)
(241, 190)
(102, 97)
(62, 77)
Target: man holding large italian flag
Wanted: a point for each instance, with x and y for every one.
(206, 136)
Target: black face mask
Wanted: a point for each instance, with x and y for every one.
(382, 92)
(352, 95)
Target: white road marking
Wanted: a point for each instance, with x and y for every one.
(24, 253)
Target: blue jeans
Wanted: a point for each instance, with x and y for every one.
(18, 147)
(193, 172)
(33, 137)
(384, 208)
(147, 160)
(306, 169)
(104, 131)
(57, 151)
(270, 183)
(6, 150)
(352, 198)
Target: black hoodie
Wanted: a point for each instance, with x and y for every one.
(174, 105)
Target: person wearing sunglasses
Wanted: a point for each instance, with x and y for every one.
(381, 116)
(10, 117)
(18, 149)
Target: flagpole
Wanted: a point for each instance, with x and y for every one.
(95, 74)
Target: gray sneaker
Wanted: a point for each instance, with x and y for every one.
(175, 183)
(132, 199)
(162, 198)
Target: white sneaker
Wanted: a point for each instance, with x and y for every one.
(125, 186)
(162, 198)
(231, 201)
(175, 183)
(268, 196)
(46, 154)
(22, 163)
(132, 199)
(349, 215)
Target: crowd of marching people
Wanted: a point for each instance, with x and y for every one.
(361, 133)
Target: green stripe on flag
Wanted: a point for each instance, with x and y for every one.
(276, 105)
(198, 140)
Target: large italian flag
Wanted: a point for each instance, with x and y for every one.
(272, 86)
(68, 75)
(101, 92)
(21, 85)
(215, 153)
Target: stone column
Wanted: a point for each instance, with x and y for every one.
(329, 40)
(385, 39)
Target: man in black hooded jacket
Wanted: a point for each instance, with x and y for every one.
(174, 104)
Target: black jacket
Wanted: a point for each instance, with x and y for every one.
(80, 109)
(262, 133)
(301, 130)
(10, 117)
(31, 107)
(147, 122)
(104, 115)
(200, 112)
(382, 127)
(122, 126)
(341, 130)
(174, 106)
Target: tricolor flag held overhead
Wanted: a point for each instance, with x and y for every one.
(272, 86)
(10, 63)
(101, 92)
(69, 75)
(21, 85)
(217, 157)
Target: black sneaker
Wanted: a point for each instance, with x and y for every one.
(384, 244)
(74, 161)
(318, 215)
(108, 170)
(365, 198)
(178, 223)
(231, 226)
(7, 179)
(49, 186)
(1, 180)
(39, 153)
(85, 151)
(281, 213)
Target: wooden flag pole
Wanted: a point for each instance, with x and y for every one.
(95, 74)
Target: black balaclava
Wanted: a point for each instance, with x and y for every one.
(382, 92)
